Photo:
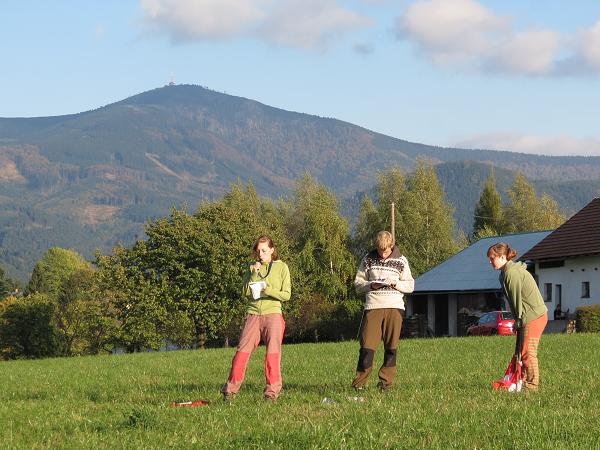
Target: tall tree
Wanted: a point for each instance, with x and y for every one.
(320, 237)
(425, 225)
(53, 270)
(136, 297)
(67, 280)
(369, 219)
(194, 264)
(391, 186)
(526, 212)
(5, 285)
(488, 216)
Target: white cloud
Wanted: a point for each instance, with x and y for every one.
(304, 24)
(465, 34)
(539, 145)
(450, 31)
(588, 46)
(529, 52)
(309, 23)
(202, 19)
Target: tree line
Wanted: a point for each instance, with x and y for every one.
(182, 283)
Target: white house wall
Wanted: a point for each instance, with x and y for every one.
(571, 277)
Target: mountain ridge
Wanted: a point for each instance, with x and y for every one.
(102, 173)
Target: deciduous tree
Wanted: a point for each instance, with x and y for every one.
(526, 212)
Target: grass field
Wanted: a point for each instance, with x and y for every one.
(443, 399)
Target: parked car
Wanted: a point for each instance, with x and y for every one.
(495, 322)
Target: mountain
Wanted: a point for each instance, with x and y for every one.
(91, 180)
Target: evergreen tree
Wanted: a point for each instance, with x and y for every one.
(5, 285)
(488, 212)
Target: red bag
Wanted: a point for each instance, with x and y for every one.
(513, 377)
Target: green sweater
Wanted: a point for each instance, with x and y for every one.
(524, 297)
(279, 288)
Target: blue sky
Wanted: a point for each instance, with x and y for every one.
(519, 75)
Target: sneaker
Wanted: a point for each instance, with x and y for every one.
(384, 388)
(270, 398)
(228, 396)
(359, 388)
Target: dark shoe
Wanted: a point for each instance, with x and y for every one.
(384, 388)
(228, 396)
(270, 398)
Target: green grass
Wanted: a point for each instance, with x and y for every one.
(443, 399)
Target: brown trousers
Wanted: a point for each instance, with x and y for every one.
(529, 351)
(377, 325)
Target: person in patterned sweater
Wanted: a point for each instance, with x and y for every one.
(384, 276)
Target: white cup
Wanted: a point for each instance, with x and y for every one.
(256, 287)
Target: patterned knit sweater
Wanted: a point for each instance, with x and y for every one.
(394, 268)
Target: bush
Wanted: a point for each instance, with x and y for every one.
(588, 319)
(27, 329)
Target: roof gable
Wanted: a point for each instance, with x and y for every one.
(470, 269)
(578, 236)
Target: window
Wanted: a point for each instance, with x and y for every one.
(558, 294)
(585, 289)
(486, 318)
(547, 292)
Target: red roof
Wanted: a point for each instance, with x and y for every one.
(578, 236)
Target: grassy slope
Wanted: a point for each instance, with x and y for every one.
(443, 400)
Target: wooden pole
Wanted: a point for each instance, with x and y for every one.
(393, 224)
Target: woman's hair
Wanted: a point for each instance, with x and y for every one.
(270, 243)
(384, 240)
(500, 249)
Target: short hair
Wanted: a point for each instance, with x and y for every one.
(502, 249)
(384, 240)
(270, 243)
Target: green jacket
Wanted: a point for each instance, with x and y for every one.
(522, 292)
(279, 288)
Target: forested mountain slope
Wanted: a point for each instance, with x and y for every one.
(90, 180)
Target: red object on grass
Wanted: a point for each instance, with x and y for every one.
(191, 404)
(513, 377)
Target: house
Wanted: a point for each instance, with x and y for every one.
(464, 286)
(567, 262)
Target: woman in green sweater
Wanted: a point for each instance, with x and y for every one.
(266, 284)
(526, 304)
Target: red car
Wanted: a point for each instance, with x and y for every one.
(495, 322)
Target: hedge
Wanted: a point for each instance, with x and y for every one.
(588, 318)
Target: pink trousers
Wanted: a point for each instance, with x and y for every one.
(268, 328)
